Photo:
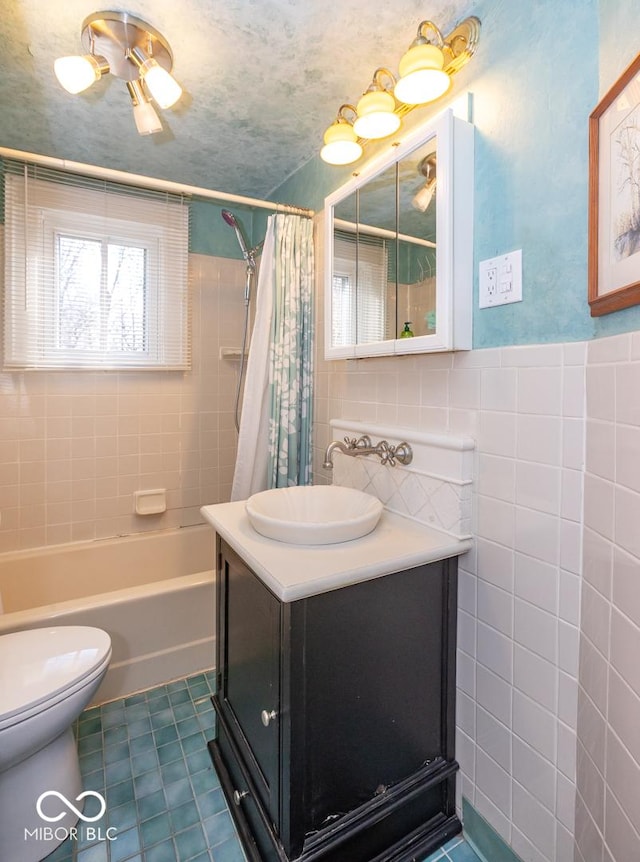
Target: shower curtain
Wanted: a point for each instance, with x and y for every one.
(274, 441)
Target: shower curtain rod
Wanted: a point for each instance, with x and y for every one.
(151, 182)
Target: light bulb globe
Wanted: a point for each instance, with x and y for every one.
(146, 119)
(341, 146)
(424, 196)
(78, 73)
(376, 117)
(161, 84)
(422, 78)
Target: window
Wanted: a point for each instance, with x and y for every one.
(95, 273)
(358, 315)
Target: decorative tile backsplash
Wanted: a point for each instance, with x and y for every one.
(435, 489)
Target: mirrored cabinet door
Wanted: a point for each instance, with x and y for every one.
(377, 254)
(341, 324)
(398, 240)
(417, 223)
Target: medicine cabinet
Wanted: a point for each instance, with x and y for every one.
(399, 248)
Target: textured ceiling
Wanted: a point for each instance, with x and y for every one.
(262, 80)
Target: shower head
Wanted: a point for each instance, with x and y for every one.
(232, 221)
(229, 218)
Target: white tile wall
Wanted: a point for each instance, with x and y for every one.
(74, 446)
(519, 593)
(608, 751)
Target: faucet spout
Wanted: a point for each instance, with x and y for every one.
(331, 448)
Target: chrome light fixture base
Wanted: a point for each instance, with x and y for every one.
(113, 35)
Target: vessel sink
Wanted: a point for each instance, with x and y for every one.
(313, 514)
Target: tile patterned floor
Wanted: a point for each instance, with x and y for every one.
(147, 756)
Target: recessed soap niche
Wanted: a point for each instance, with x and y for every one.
(435, 489)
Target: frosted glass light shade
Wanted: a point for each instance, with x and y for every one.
(147, 121)
(376, 117)
(423, 196)
(78, 73)
(421, 76)
(341, 146)
(161, 84)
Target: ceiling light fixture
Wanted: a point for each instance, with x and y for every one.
(425, 73)
(132, 50)
(341, 145)
(424, 195)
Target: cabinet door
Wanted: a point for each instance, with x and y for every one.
(250, 662)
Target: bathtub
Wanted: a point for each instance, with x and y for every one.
(153, 593)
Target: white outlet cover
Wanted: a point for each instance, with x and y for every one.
(500, 280)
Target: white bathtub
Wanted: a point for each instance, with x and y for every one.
(153, 593)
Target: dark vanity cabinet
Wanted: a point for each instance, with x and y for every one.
(335, 715)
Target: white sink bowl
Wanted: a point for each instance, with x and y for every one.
(313, 514)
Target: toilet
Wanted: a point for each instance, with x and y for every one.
(47, 677)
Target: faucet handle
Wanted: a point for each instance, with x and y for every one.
(403, 453)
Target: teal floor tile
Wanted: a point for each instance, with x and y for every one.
(126, 845)
(463, 853)
(165, 852)
(156, 830)
(151, 805)
(228, 851)
(147, 754)
(190, 843)
(184, 816)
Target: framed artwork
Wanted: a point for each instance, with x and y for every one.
(614, 196)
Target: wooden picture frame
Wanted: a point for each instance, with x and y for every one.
(614, 196)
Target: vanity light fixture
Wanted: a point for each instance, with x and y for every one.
(129, 49)
(341, 146)
(425, 73)
(423, 196)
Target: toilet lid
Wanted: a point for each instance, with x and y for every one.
(36, 665)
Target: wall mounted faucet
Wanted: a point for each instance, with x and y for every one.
(388, 454)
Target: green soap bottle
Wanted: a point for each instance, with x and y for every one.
(406, 332)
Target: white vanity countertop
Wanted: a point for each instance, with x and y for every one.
(295, 572)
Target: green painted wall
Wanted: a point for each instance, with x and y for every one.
(210, 234)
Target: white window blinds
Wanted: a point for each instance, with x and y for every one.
(96, 273)
(359, 289)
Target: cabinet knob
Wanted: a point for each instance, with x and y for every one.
(267, 717)
(238, 796)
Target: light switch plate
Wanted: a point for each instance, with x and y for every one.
(500, 279)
